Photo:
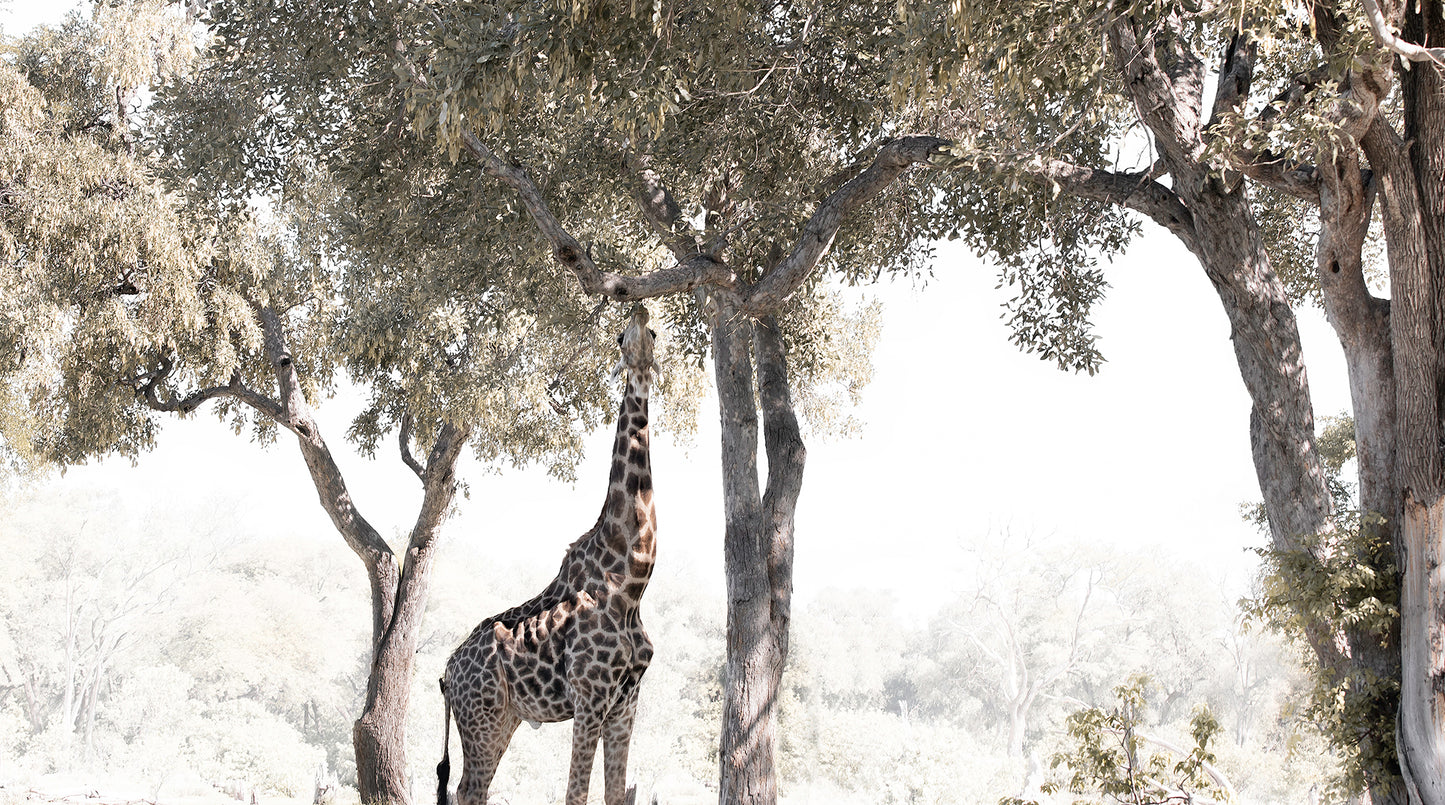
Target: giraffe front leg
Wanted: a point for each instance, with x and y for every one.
(586, 730)
(616, 739)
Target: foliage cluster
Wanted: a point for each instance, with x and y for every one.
(1355, 588)
(1344, 580)
(1112, 759)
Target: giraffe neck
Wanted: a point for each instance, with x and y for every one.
(628, 525)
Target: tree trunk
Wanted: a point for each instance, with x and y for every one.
(1017, 726)
(1418, 325)
(758, 550)
(1362, 323)
(379, 735)
(1166, 83)
(398, 593)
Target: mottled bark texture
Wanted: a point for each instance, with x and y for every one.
(758, 547)
(398, 586)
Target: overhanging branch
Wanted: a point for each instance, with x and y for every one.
(1136, 191)
(236, 389)
(699, 269)
(1392, 42)
(778, 284)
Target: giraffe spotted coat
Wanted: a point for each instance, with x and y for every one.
(578, 649)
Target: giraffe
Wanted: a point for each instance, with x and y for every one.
(577, 650)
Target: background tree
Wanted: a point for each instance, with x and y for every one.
(1029, 620)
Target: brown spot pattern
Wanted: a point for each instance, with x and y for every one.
(577, 650)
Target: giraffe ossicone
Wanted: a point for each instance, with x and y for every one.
(577, 650)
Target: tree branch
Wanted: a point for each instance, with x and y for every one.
(235, 389)
(1168, 101)
(295, 415)
(698, 269)
(184, 405)
(404, 437)
(1392, 42)
(1236, 75)
(1288, 176)
(659, 206)
(1136, 191)
(787, 455)
(779, 284)
(1214, 773)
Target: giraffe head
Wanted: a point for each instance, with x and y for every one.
(636, 343)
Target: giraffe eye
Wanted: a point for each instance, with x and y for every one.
(652, 333)
(619, 339)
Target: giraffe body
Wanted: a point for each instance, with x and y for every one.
(577, 650)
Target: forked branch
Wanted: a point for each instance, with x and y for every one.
(699, 269)
(1388, 39)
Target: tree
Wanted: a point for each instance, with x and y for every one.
(1031, 618)
(129, 299)
(722, 149)
(1302, 127)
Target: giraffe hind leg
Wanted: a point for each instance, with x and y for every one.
(484, 740)
(444, 768)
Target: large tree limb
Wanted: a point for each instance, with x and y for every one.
(236, 389)
(699, 269)
(1391, 41)
(779, 283)
(1167, 100)
(695, 269)
(1288, 176)
(439, 490)
(1236, 75)
(660, 208)
(359, 534)
(787, 455)
(1137, 191)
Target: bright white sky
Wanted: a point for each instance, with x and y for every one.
(964, 436)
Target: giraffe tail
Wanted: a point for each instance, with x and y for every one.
(444, 768)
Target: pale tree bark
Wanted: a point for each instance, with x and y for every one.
(758, 554)
(1412, 178)
(399, 587)
(1422, 692)
(758, 546)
